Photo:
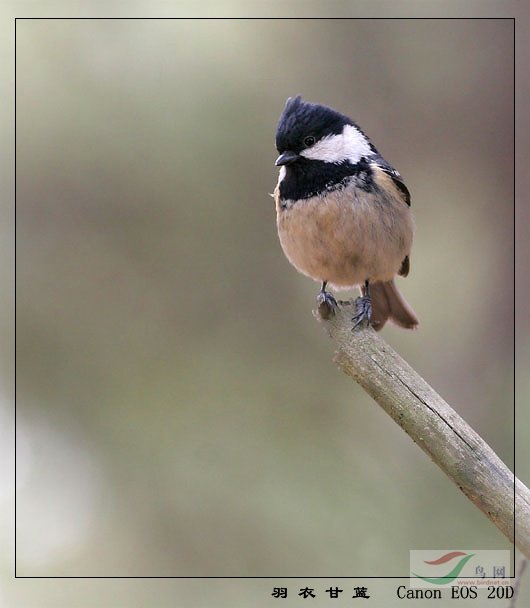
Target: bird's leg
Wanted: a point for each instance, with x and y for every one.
(363, 306)
(325, 299)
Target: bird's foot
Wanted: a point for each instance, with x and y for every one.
(363, 311)
(327, 305)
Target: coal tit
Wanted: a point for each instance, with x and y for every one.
(343, 212)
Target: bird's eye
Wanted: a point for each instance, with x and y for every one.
(309, 141)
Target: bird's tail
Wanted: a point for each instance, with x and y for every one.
(388, 303)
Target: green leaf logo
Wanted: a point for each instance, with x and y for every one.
(450, 576)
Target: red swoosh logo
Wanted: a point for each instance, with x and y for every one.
(446, 558)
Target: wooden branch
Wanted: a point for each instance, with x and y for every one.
(430, 422)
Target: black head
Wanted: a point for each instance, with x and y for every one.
(319, 149)
(302, 124)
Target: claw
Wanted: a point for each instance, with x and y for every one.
(363, 311)
(327, 305)
(324, 297)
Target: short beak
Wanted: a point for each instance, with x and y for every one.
(286, 158)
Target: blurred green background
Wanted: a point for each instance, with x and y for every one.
(178, 410)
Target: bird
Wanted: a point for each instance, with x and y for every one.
(343, 212)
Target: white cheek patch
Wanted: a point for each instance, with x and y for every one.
(349, 145)
(282, 173)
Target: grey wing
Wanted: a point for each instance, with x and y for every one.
(396, 178)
